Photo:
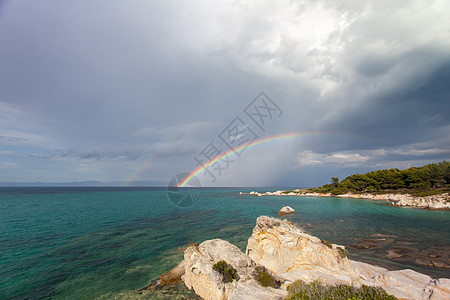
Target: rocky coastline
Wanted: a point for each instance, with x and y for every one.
(437, 202)
(284, 254)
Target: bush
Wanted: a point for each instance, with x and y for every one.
(339, 191)
(342, 252)
(327, 243)
(227, 271)
(264, 278)
(316, 291)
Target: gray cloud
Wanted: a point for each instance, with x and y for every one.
(115, 84)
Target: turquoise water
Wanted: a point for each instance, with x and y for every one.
(85, 243)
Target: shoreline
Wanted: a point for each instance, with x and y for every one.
(434, 202)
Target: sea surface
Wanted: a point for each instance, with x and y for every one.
(107, 243)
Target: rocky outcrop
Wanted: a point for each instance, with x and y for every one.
(430, 202)
(173, 275)
(286, 210)
(404, 284)
(169, 278)
(208, 284)
(441, 202)
(288, 251)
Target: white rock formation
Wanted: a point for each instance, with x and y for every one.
(441, 201)
(208, 284)
(404, 284)
(283, 248)
(286, 210)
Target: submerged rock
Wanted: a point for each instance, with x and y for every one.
(363, 246)
(395, 253)
(286, 210)
(436, 257)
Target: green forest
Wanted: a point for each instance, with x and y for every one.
(421, 181)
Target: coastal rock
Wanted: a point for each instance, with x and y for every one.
(208, 284)
(173, 275)
(285, 250)
(286, 210)
(218, 249)
(404, 284)
(440, 201)
(429, 202)
(200, 276)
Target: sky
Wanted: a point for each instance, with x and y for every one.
(129, 91)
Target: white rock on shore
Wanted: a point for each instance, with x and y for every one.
(208, 284)
(283, 249)
(276, 193)
(291, 254)
(441, 201)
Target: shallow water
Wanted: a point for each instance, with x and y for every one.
(84, 243)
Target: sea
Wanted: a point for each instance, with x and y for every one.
(110, 242)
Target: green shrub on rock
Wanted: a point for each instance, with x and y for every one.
(264, 278)
(342, 252)
(227, 271)
(299, 290)
(327, 243)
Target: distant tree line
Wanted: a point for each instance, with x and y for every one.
(431, 176)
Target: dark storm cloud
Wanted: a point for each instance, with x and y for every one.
(409, 114)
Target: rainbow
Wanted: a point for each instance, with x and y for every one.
(147, 163)
(263, 141)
